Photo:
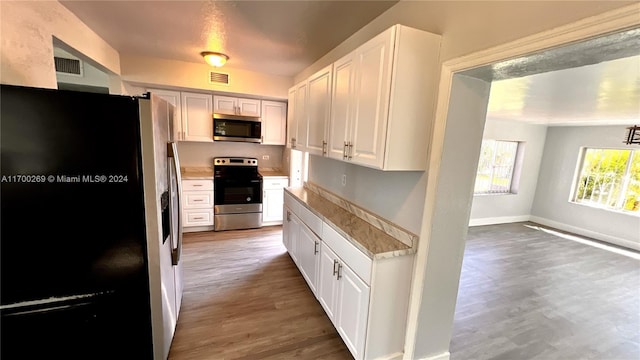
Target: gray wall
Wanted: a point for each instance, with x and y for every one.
(496, 209)
(201, 154)
(555, 181)
(397, 196)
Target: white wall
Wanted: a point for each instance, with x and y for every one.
(396, 196)
(154, 72)
(201, 154)
(555, 181)
(27, 29)
(496, 209)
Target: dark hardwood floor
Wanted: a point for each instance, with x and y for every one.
(527, 294)
(244, 298)
(524, 294)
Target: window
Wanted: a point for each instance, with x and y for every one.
(610, 179)
(496, 167)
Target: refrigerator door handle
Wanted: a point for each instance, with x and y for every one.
(172, 152)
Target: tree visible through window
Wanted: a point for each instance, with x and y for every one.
(495, 168)
(609, 178)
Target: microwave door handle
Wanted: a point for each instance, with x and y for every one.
(172, 151)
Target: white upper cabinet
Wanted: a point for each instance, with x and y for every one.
(236, 106)
(292, 125)
(274, 123)
(300, 136)
(383, 99)
(341, 106)
(197, 121)
(318, 111)
(369, 116)
(173, 98)
(249, 107)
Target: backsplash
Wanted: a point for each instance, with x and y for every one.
(201, 154)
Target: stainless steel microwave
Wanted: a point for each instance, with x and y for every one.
(236, 128)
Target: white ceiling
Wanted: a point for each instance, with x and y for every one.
(276, 37)
(285, 37)
(603, 93)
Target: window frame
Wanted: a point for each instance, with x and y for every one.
(575, 185)
(516, 168)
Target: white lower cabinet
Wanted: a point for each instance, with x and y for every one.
(366, 299)
(272, 199)
(352, 308)
(309, 256)
(197, 205)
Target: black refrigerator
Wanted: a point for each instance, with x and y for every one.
(91, 228)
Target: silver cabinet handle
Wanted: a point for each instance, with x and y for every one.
(324, 147)
(198, 218)
(197, 200)
(335, 262)
(339, 271)
(197, 185)
(315, 248)
(344, 151)
(288, 215)
(350, 146)
(293, 143)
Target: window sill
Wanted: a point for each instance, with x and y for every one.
(602, 208)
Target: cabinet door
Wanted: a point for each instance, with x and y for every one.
(224, 104)
(173, 98)
(318, 111)
(292, 124)
(352, 306)
(373, 84)
(272, 202)
(274, 123)
(327, 284)
(341, 105)
(300, 138)
(197, 117)
(248, 107)
(308, 253)
(292, 235)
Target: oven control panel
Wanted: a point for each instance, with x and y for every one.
(233, 161)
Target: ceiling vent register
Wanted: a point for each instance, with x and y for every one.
(218, 78)
(68, 66)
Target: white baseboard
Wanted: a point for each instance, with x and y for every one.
(588, 233)
(187, 229)
(444, 356)
(498, 220)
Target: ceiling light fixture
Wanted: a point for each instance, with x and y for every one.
(214, 58)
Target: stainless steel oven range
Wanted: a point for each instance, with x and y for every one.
(237, 198)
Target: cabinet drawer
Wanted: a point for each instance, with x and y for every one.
(197, 199)
(188, 185)
(292, 203)
(198, 217)
(275, 183)
(311, 220)
(356, 259)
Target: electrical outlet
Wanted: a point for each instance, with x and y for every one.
(265, 157)
(344, 179)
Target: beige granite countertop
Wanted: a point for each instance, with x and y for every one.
(369, 239)
(272, 172)
(196, 173)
